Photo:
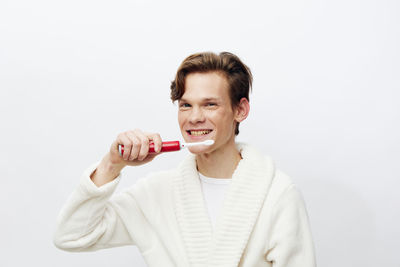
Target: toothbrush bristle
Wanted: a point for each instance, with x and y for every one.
(208, 142)
(203, 143)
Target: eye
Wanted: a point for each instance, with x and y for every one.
(184, 105)
(211, 104)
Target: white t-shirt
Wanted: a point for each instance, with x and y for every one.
(213, 192)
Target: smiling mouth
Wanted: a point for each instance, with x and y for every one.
(198, 132)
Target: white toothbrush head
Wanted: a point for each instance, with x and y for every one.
(206, 143)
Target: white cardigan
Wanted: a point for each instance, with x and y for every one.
(263, 221)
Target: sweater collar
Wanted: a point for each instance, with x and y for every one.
(242, 203)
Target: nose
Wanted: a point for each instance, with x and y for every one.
(196, 115)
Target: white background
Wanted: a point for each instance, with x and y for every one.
(325, 106)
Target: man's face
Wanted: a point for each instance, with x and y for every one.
(205, 111)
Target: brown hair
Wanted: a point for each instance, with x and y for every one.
(238, 75)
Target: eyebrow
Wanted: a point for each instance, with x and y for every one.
(204, 99)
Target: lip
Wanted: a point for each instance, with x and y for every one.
(200, 137)
(202, 129)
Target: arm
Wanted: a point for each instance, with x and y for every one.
(291, 243)
(90, 220)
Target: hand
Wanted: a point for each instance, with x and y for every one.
(136, 148)
(136, 152)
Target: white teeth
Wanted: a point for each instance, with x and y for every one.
(198, 133)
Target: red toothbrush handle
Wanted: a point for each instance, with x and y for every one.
(168, 146)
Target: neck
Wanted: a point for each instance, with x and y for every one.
(220, 163)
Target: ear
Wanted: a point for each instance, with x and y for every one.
(242, 110)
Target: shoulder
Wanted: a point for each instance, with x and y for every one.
(262, 162)
(282, 181)
(284, 193)
(282, 185)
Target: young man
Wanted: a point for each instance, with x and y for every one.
(225, 205)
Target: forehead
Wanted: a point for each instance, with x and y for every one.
(206, 85)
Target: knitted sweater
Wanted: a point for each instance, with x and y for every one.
(263, 220)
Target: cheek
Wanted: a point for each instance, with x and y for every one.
(226, 115)
(180, 119)
(222, 118)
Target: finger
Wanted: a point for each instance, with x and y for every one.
(115, 147)
(136, 143)
(157, 141)
(124, 140)
(144, 149)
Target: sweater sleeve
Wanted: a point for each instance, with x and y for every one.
(90, 220)
(291, 243)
